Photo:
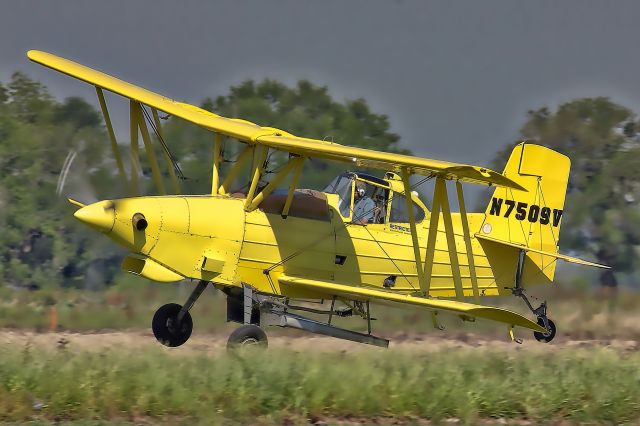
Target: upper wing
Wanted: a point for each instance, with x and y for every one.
(269, 136)
(564, 257)
(451, 306)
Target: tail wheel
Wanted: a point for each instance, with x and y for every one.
(247, 336)
(549, 335)
(166, 328)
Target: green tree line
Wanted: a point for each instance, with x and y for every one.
(602, 215)
(41, 244)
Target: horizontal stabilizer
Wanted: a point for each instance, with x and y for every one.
(450, 306)
(545, 253)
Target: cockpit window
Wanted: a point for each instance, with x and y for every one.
(399, 212)
(342, 185)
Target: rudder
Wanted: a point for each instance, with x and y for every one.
(531, 218)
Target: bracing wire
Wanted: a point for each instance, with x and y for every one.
(164, 145)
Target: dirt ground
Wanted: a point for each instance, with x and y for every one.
(298, 341)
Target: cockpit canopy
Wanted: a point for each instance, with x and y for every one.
(367, 199)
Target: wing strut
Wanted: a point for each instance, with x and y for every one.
(431, 240)
(138, 123)
(467, 241)
(112, 137)
(443, 197)
(295, 162)
(235, 170)
(412, 224)
(134, 152)
(256, 173)
(292, 188)
(215, 178)
(441, 206)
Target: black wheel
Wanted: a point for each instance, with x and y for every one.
(247, 336)
(166, 328)
(549, 335)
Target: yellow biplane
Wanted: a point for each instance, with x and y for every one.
(363, 240)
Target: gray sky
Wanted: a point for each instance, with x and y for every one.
(456, 78)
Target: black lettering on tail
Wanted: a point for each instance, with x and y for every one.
(557, 214)
(496, 204)
(510, 205)
(545, 213)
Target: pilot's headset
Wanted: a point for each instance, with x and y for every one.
(360, 189)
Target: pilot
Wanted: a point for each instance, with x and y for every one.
(363, 206)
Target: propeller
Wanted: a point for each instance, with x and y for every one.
(80, 187)
(140, 121)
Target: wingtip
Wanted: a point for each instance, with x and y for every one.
(32, 54)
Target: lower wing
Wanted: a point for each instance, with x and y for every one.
(451, 306)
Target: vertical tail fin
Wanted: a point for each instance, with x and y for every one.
(531, 218)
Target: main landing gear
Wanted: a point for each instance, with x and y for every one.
(540, 312)
(254, 310)
(172, 323)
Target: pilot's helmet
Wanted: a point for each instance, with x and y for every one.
(361, 189)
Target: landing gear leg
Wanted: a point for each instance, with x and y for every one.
(540, 312)
(249, 334)
(172, 324)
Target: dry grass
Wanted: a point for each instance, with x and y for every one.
(579, 314)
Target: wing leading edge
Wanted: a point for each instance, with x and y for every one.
(251, 133)
(450, 306)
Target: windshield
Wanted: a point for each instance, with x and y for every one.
(399, 211)
(342, 185)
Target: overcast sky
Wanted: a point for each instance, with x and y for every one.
(456, 78)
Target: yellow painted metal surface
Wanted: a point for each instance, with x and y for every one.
(564, 257)
(451, 306)
(274, 138)
(532, 218)
(112, 137)
(184, 233)
(466, 234)
(230, 240)
(215, 174)
(140, 123)
(242, 159)
(149, 269)
(213, 238)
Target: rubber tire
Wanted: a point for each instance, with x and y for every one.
(161, 325)
(246, 336)
(545, 337)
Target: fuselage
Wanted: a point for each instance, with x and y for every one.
(213, 238)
